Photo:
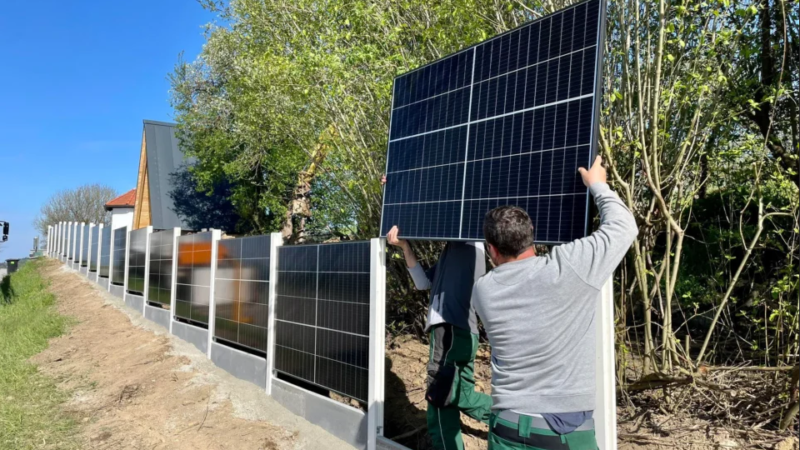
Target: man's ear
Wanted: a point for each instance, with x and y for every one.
(493, 254)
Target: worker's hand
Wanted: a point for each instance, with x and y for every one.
(597, 174)
(391, 237)
(383, 180)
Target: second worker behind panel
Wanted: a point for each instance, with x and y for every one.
(453, 332)
(539, 313)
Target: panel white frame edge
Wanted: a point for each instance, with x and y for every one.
(125, 266)
(605, 414)
(99, 251)
(176, 233)
(146, 286)
(216, 235)
(275, 242)
(377, 341)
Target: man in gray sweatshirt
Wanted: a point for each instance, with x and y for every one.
(539, 314)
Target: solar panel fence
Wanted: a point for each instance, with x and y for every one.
(85, 246)
(193, 285)
(94, 261)
(507, 121)
(160, 286)
(105, 252)
(118, 266)
(137, 260)
(322, 315)
(241, 292)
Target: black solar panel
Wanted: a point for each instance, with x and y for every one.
(136, 260)
(120, 244)
(193, 286)
(160, 287)
(105, 252)
(322, 315)
(73, 236)
(94, 260)
(85, 246)
(241, 292)
(507, 121)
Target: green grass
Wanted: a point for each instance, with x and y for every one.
(31, 416)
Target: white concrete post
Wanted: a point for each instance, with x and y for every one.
(275, 243)
(605, 413)
(212, 304)
(377, 341)
(146, 268)
(176, 232)
(99, 251)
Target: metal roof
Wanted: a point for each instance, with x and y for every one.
(163, 158)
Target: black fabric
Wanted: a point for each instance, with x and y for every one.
(441, 373)
(452, 279)
(533, 440)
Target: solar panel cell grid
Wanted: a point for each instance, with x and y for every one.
(192, 288)
(120, 245)
(241, 291)
(322, 315)
(95, 241)
(160, 272)
(105, 253)
(85, 247)
(137, 260)
(518, 138)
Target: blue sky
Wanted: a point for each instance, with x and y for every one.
(76, 80)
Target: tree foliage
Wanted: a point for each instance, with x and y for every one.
(290, 102)
(83, 204)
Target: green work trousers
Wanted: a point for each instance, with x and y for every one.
(505, 435)
(451, 386)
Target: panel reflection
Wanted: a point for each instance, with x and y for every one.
(194, 276)
(241, 291)
(136, 260)
(160, 287)
(120, 242)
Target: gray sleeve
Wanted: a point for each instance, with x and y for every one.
(421, 281)
(595, 257)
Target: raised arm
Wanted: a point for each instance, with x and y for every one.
(421, 280)
(595, 257)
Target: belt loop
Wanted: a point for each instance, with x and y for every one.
(524, 425)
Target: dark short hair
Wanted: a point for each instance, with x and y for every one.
(509, 229)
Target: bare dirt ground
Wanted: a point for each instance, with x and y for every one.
(135, 387)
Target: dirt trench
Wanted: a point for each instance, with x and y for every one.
(136, 387)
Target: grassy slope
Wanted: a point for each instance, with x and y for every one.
(30, 403)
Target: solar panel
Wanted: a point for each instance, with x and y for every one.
(105, 252)
(241, 292)
(192, 288)
(322, 315)
(85, 246)
(160, 287)
(137, 260)
(120, 243)
(507, 121)
(73, 233)
(95, 239)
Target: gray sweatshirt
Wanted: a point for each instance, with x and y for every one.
(539, 315)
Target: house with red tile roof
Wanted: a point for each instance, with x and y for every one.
(122, 209)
